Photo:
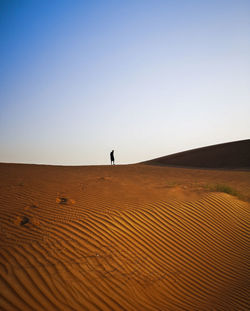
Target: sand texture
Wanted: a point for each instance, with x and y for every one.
(135, 237)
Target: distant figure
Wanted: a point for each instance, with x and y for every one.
(112, 158)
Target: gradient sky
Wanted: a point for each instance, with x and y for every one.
(145, 78)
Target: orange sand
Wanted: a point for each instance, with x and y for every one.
(135, 237)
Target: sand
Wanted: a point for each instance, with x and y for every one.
(230, 155)
(134, 237)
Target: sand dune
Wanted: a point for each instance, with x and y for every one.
(135, 237)
(228, 155)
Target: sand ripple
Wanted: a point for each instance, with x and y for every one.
(158, 256)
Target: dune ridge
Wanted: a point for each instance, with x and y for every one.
(103, 249)
(232, 155)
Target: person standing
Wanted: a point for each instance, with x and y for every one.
(112, 158)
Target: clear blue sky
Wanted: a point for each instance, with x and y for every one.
(145, 78)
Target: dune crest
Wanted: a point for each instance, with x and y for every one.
(232, 155)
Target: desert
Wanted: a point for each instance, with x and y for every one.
(124, 155)
(124, 237)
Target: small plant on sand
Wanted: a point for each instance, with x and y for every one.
(225, 189)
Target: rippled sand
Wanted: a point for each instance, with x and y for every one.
(132, 237)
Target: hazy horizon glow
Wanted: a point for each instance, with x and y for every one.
(145, 78)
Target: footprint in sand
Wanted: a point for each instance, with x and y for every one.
(63, 200)
(24, 221)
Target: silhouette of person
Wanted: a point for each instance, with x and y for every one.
(112, 158)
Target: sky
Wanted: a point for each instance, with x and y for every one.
(145, 78)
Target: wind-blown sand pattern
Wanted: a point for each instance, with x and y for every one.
(122, 238)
